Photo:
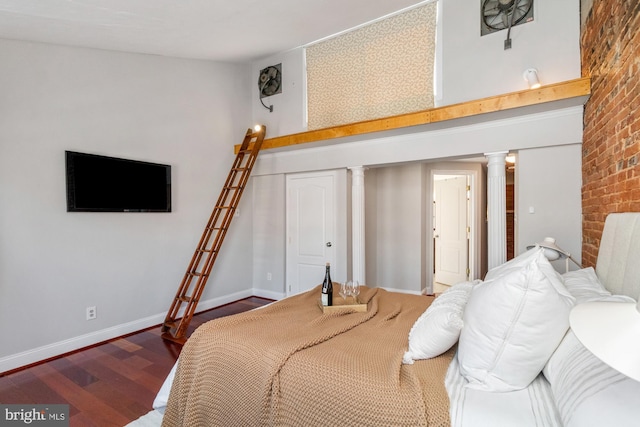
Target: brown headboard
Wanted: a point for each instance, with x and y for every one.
(618, 264)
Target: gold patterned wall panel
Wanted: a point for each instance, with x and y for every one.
(380, 70)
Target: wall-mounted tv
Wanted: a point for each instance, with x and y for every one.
(108, 184)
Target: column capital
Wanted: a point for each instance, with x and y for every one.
(497, 154)
(497, 158)
(496, 163)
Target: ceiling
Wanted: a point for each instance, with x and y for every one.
(220, 30)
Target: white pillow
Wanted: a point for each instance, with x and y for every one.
(512, 325)
(438, 328)
(584, 285)
(514, 264)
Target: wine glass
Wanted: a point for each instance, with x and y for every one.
(355, 290)
(345, 290)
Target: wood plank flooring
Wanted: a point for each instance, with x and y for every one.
(110, 384)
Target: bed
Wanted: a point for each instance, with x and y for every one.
(497, 352)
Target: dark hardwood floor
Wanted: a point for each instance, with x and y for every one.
(110, 384)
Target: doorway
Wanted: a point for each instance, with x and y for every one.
(453, 233)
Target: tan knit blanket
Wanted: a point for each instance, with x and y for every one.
(288, 364)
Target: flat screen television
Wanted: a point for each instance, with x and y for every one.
(108, 184)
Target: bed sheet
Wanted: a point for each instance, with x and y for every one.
(529, 407)
(160, 402)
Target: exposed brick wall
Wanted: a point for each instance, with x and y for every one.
(611, 143)
(510, 193)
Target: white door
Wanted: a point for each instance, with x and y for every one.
(311, 224)
(451, 236)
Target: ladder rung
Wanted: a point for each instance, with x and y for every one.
(224, 207)
(184, 298)
(197, 273)
(179, 340)
(239, 169)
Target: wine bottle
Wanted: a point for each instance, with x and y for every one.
(327, 288)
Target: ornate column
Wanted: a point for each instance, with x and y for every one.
(496, 209)
(357, 224)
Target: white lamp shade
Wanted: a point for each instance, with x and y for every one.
(551, 254)
(552, 251)
(531, 77)
(611, 331)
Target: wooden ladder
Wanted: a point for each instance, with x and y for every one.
(184, 304)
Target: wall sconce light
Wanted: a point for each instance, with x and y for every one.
(531, 77)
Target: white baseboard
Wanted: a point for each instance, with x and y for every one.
(402, 291)
(18, 360)
(263, 293)
(48, 351)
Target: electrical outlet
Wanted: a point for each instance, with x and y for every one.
(91, 313)
(268, 276)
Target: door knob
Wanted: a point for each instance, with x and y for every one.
(328, 244)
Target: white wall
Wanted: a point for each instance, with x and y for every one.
(269, 244)
(289, 107)
(54, 264)
(475, 66)
(549, 198)
(526, 128)
(398, 233)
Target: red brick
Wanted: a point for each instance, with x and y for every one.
(611, 139)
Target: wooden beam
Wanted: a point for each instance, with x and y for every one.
(553, 92)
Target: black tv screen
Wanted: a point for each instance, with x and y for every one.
(108, 184)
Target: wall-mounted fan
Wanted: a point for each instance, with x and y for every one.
(270, 83)
(270, 80)
(503, 14)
